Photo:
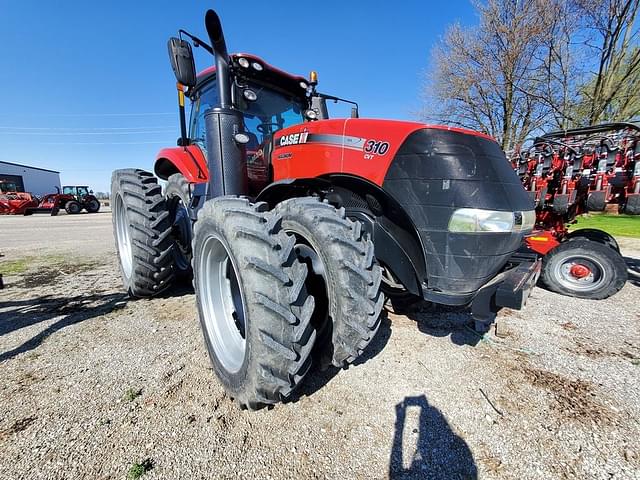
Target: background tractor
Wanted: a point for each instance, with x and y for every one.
(289, 222)
(568, 173)
(73, 200)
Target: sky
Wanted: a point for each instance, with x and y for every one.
(86, 87)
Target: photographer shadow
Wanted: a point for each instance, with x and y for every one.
(439, 452)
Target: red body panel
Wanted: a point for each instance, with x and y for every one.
(186, 160)
(361, 147)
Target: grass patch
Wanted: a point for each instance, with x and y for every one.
(616, 225)
(131, 394)
(139, 469)
(14, 267)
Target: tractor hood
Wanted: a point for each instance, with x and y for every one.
(432, 172)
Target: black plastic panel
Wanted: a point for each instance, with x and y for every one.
(225, 157)
(438, 171)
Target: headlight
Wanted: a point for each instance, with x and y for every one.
(243, 62)
(470, 220)
(257, 66)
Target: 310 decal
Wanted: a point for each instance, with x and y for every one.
(375, 147)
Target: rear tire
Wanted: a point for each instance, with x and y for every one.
(142, 232)
(351, 275)
(178, 198)
(72, 207)
(92, 206)
(584, 268)
(253, 305)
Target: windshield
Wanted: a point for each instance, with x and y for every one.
(271, 111)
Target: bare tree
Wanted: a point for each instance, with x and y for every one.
(489, 78)
(611, 93)
(539, 64)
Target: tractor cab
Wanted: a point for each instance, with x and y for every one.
(268, 99)
(78, 192)
(8, 187)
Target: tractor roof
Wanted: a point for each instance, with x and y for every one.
(269, 74)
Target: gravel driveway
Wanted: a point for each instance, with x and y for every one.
(94, 385)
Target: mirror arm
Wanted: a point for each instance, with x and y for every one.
(197, 42)
(183, 119)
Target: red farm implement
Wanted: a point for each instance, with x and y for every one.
(569, 173)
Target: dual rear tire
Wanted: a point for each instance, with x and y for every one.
(275, 289)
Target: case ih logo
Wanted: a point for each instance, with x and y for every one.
(293, 139)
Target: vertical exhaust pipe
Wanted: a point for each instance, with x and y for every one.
(225, 156)
(214, 29)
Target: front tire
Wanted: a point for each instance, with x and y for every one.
(72, 207)
(253, 305)
(142, 232)
(342, 252)
(584, 268)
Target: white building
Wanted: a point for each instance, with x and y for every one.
(35, 180)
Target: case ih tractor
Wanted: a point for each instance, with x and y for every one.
(569, 173)
(290, 222)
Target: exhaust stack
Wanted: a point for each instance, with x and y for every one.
(225, 156)
(214, 29)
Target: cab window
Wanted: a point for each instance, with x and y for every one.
(69, 190)
(203, 99)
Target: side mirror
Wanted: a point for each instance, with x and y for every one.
(181, 57)
(354, 112)
(91, 192)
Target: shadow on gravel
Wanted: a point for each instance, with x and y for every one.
(442, 321)
(319, 378)
(633, 266)
(72, 310)
(429, 446)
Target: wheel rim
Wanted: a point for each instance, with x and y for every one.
(316, 283)
(123, 237)
(74, 208)
(181, 232)
(93, 205)
(223, 306)
(580, 274)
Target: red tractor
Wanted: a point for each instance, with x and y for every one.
(568, 173)
(290, 223)
(73, 200)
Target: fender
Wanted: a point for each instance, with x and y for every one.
(394, 235)
(596, 236)
(189, 161)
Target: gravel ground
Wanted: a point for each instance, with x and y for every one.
(93, 383)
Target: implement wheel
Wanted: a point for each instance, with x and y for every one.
(344, 276)
(584, 268)
(253, 305)
(142, 232)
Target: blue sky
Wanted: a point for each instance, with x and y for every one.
(86, 87)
